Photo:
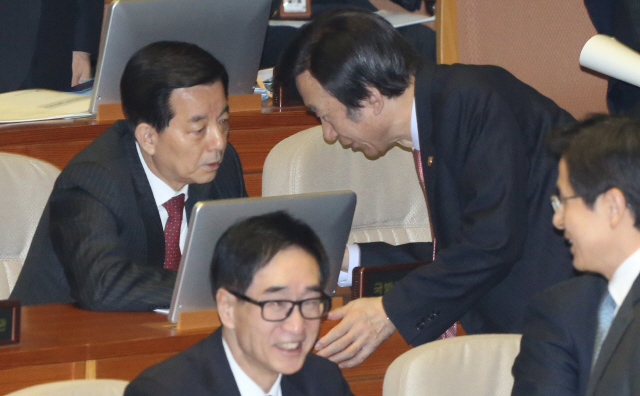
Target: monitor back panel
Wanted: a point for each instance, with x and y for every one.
(231, 30)
(329, 214)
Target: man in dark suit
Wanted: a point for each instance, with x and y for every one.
(268, 275)
(582, 336)
(479, 134)
(48, 43)
(111, 235)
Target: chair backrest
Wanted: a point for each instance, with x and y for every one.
(26, 185)
(538, 41)
(467, 365)
(390, 206)
(94, 387)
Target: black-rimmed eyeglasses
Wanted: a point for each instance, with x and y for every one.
(557, 201)
(279, 310)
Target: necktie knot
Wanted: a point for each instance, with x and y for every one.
(175, 205)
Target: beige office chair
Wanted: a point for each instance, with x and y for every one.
(476, 365)
(26, 185)
(390, 206)
(538, 41)
(94, 387)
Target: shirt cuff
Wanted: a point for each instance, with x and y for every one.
(345, 279)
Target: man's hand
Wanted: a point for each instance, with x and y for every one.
(363, 326)
(80, 68)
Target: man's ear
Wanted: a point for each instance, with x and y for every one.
(616, 206)
(374, 100)
(147, 137)
(226, 303)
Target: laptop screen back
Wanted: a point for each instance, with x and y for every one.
(328, 214)
(231, 30)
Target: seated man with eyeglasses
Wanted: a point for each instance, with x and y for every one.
(268, 275)
(582, 336)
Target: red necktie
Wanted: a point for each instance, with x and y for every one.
(417, 159)
(172, 254)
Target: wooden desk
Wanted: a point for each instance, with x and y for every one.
(253, 134)
(60, 342)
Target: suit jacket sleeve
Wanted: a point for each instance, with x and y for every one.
(88, 25)
(479, 206)
(92, 220)
(381, 253)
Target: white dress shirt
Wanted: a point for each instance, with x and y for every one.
(245, 384)
(161, 194)
(345, 279)
(622, 280)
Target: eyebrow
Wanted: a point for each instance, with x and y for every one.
(199, 118)
(275, 289)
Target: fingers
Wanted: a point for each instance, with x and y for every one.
(80, 67)
(363, 327)
(334, 334)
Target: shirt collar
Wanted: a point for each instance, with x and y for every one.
(414, 127)
(161, 190)
(623, 278)
(246, 385)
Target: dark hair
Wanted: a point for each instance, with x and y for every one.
(349, 50)
(602, 152)
(156, 70)
(249, 245)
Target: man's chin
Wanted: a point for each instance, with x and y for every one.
(205, 177)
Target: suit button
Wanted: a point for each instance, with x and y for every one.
(420, 325)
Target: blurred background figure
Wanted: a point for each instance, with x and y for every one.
(48, 43)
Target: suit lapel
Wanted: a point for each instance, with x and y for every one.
(197, 193)
(290, 388)
(617, 330)
(222, 379)
(146, 203)
(423, 92)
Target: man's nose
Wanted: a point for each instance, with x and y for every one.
(216, 139)
(295, 322)
(328, 132)
(558, 219)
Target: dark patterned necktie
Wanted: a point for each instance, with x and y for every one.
(172, 255)
(417, 159)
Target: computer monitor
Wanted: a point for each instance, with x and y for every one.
(329, 214)
(231, 30)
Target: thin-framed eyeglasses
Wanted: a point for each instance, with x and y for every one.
(557, 201)
(279, 310)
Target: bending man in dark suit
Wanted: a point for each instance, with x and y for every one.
(568, 346)
(101, 239)
(268, 275)
(480, 135)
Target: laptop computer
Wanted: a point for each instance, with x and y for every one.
(329, 214)
(231, 30)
